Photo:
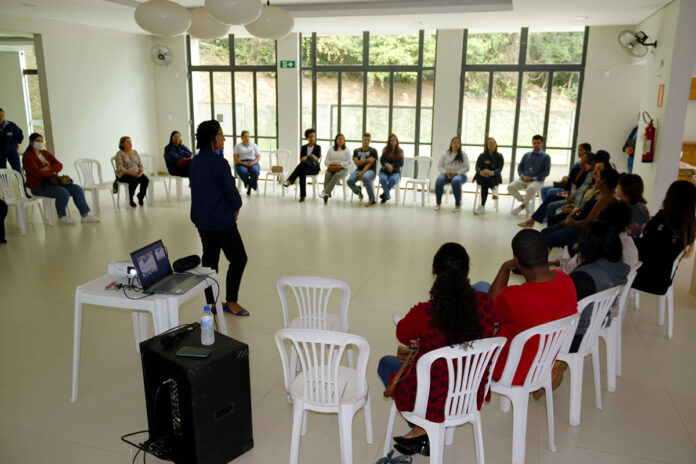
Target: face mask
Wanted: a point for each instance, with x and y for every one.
(37, 145)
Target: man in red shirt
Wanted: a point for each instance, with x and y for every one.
(547, 295)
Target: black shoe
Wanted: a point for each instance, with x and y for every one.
(360, 195)
(132, 204)
(326, 199)
(140, 200)
(301, 199)
(381, 195)
(371, 203)
(409, 441)
(114, 187)
(249, 191)
(384, 199)
(421, 446)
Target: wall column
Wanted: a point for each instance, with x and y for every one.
(288, 49)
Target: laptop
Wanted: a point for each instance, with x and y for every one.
(155, 272)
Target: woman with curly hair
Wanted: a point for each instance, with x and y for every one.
(456, 314)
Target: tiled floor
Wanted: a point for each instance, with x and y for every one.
(385, 254)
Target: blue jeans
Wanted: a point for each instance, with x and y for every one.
(388, 365)
(548, 190)
(388, 181)
(548, 208)
(629, 163)
(557, 236)
(367, 179)
(62, 195)
(456, 182)
(249, 175)
(481, 286)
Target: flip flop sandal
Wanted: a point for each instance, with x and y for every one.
(241, 313)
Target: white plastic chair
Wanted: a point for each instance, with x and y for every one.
(323, 385)
(86, 169)
(152, 173)
(17, 198)
(612, 334)
(477, 198)
(602, 302)
(120, 185)
(280, 158)
(179, 182)
(419, 178)
(467, 367)
(669, 297)
(314, 178)
(552, 337)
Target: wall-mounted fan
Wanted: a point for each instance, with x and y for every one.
(161, 55)
(636, 42)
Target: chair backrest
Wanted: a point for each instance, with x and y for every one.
(552, 337)
(312, 296)
(86, 169)
(601, 303)
(409, 168)
(9, 192)
(113, 165)
(423, 164)
(677, 260)
(626, 290)
(466, 367)
(320, 353)
(149, 165)
(281, 157)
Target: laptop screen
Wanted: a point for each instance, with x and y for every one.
(151, 263)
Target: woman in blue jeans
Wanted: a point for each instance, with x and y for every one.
(453, 166)
(392, 160)
(40, 166)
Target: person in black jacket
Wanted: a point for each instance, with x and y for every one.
(488, 167)
(215, 205)
(310, 155)
(10, 138)
(177, 156)
(671, 231)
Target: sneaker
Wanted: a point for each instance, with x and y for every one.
(437, 208)
(323, 195)
(516, 210)
(494, 191)
(90, 218)
(480, 210)
(457, 209)
(66, 220)
(370, 203)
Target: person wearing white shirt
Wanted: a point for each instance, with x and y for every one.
(246, 162)
(453, 166)
(338, 162)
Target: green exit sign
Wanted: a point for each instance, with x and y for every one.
(287, 64)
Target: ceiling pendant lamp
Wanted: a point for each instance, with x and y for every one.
(204, 26)
(236, 12)
(274, 23)
(162, 17)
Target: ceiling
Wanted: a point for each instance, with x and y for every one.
(387, 16)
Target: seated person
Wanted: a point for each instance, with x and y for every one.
(532, 169)
(246, 162)
(3, 215)
(392, 161)
(338, 162)
(547, 295)
(177, 156)
(310, 155)
(129, 170)
(601, 268)
(40, 167)
(671, 231)
(454, 315)
(453, 166)
(567, 232)
(365, 158)
(488, 168)
(584, 149)
(630, 190)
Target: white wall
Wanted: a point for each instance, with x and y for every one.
(610, 94)
(100, 87)
(690, 123)
(12, 92)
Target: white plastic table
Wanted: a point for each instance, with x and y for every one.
(163, 308)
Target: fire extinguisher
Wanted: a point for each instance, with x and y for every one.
(648, 139)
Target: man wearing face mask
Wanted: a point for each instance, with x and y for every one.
(10, 138)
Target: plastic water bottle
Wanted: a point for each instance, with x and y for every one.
(207, 333)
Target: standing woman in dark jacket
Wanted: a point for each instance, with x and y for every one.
(488, 167)
(310, 155)
(177, 156)
(671, 231)
(215, 205)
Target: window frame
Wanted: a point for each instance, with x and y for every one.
(521, 68)
(232, 68)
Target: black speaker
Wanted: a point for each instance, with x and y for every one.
(198, 409)
(186, 263)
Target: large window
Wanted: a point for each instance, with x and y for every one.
(516, 85)
(233, 80)
(32, 91)
(375, 83)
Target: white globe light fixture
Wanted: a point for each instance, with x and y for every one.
(204, 26)
(162, 17)
(274, 23)
(234, 11)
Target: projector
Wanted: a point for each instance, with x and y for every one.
(121, 269)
